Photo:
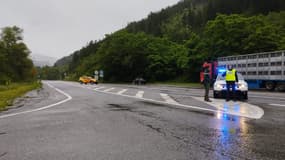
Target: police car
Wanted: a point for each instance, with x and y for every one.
(220, 87)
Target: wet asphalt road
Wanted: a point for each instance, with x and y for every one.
(103, 124)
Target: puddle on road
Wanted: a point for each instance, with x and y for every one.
(238, 108)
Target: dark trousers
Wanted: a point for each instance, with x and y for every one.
(207, 88)
(231, 84)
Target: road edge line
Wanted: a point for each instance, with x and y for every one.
(42, 108)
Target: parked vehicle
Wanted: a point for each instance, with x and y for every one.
(220, 87)
(139, 81)
(260, 70)
(86, 80)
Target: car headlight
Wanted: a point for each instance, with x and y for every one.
(242, 86)
(219, 86)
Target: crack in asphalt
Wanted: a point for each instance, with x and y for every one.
(2, 133)
(3, 154)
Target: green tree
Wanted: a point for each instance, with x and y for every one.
(237, 34)
(15, 64)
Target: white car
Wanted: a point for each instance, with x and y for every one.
(220, 87)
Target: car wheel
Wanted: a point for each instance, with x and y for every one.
(245, 96)
(215, 95)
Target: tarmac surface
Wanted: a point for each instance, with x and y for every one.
(66, 120)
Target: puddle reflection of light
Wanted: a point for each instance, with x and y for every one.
(231, 127)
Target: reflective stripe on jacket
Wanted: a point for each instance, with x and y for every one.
(230, 75)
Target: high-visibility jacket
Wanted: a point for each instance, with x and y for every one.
(231, 75)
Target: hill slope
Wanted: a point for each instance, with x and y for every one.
(171, 44)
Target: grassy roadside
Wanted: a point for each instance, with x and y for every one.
(10, 92)
(180, 84)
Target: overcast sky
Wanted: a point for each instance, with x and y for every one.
(56, 28)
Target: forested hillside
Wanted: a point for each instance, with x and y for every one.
(172, 44)
(15, 65)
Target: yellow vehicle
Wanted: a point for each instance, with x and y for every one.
(86, 80)
(93, 80)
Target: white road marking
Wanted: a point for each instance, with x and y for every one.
(266, 97)
(108, 90)
(140, 94)
(279, 105)
(99, 88)
(168, 99)
(219, 110)
(42, 108)
(236, 108)
(122, 91)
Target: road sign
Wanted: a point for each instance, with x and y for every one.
(101, 73)
(96, 77)
(96, 72)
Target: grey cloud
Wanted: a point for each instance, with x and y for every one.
(58, 27)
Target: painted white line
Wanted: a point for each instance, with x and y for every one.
(99, 88)
(168, 99)
(108, 90)
(279, 105)
(122, 91)
(238, 107)
(42, 108)
(140, 94)
(216, 111)
(266, 97)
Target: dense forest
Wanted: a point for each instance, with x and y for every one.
(15, 65)
(172, 44)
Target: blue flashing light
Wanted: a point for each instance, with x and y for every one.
(221, 70)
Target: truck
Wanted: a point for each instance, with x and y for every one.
(260, 70)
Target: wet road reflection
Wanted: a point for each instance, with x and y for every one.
(230, 136)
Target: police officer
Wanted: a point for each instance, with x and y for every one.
(231, 79)
(206, 82)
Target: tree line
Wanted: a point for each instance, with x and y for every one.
(172, 44)
(15, 64)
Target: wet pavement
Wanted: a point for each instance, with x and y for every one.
(98, 123)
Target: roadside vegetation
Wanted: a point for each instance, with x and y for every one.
(9, 92)
(17, 72)
(173, 43)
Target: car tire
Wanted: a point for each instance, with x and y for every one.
(245, 96)
(215, 95)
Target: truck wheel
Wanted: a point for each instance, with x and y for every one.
(269, 85)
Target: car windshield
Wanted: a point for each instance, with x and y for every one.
(220, 77)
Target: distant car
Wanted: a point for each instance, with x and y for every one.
(86, 80)
(139, 81)
(93, 80)
(220, 87)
